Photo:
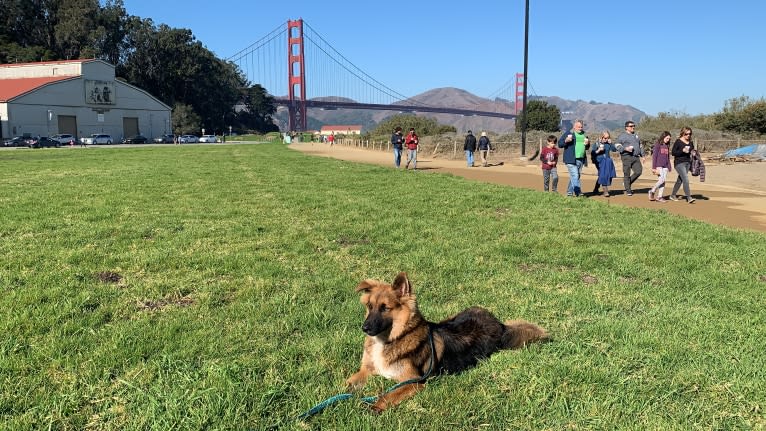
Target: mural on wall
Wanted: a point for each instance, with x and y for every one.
(100, 92)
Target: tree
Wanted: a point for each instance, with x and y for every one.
(424, 126)
(185, 120)
(743, 115)
(540, 116)
(258, 110)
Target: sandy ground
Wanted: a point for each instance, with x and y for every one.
(733, 194)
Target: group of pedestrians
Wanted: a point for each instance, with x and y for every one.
(411, 142)
(576, 145)
(471, 145)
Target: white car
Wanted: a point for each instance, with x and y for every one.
(188, 139)
(210, 139)
(98, 139)
(64, 139)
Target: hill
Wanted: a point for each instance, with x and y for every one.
(596, 115)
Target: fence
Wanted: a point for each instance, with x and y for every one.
(452, 147)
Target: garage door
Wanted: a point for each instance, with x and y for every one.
(129, 126)
(67, 124)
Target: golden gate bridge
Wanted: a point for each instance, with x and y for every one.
(336, 83)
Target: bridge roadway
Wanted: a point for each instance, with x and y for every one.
(400, 108)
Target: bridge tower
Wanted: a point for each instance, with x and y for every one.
(519, 104)
(296, 72)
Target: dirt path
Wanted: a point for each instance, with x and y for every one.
(733, 194)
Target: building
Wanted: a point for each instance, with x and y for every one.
(77, 97)
(340, 130)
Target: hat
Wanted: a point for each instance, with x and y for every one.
(483, 133)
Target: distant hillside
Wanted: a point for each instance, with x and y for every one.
(597, 116)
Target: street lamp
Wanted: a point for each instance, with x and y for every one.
(526, 78)
(50, 117)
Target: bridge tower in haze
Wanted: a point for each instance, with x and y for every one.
(519, 103)
(296, 72)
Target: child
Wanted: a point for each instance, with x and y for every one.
(660, 166)
(550, 157)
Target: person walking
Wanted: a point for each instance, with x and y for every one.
(397, 142)
(469, 147)
(484, 148)
(602, 159)
(660, 166)
(412, 143)
(682, 159)
(631, 154)
(575, 144)
(550, 158)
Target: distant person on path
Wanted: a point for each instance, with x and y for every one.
(682, 160)
(631, 154)
(397, 141)
(469, 147)
(600, 155)
(660, 166)
(484, 148)
(575, 144)
(550, 158)
(331, 138)
(412, 143)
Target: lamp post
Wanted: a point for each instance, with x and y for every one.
(50, 117)
(526, 78)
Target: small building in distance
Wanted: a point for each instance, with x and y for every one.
(335, 129)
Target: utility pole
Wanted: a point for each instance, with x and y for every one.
(526, 78)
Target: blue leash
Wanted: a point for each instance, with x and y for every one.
(370, 400)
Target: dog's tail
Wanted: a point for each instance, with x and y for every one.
(519, 333)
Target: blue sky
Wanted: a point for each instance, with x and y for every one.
(658, 56)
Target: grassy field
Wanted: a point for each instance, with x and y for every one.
(211, 287)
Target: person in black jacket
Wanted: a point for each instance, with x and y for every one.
(397, 141)
(484, 148)
(469, 147)
(682, 159)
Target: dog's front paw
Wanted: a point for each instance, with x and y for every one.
(356, 382)
(378, 407)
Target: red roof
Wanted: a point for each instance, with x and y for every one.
(15, 87)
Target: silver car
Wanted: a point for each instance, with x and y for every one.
(211, 139)
(98, 139)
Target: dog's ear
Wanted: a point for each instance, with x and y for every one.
(365, 286)
(402, 285)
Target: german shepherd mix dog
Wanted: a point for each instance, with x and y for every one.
(402, 345)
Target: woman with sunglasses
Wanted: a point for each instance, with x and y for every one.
(682, 160)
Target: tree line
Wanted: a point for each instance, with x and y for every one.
(169, 63)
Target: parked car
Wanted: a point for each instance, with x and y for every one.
(42, 142)
(135, 139)
(165, 139)
(64, 139)
(211, 139)
(188, 139)
(97, 139)
(18, 141)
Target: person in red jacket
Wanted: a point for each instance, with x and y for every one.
(412, 144)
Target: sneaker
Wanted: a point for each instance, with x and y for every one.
(629, 193)
(691, 200)
(651, 195)
(673, 197)
(660, 199)
(606, 194)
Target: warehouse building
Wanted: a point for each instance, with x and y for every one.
(77, 97)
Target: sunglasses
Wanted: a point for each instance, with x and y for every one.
(687, 134)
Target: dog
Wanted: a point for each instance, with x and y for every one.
(400, 344)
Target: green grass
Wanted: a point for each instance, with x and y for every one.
(211, 287)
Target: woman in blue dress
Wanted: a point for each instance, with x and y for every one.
(600, 155)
